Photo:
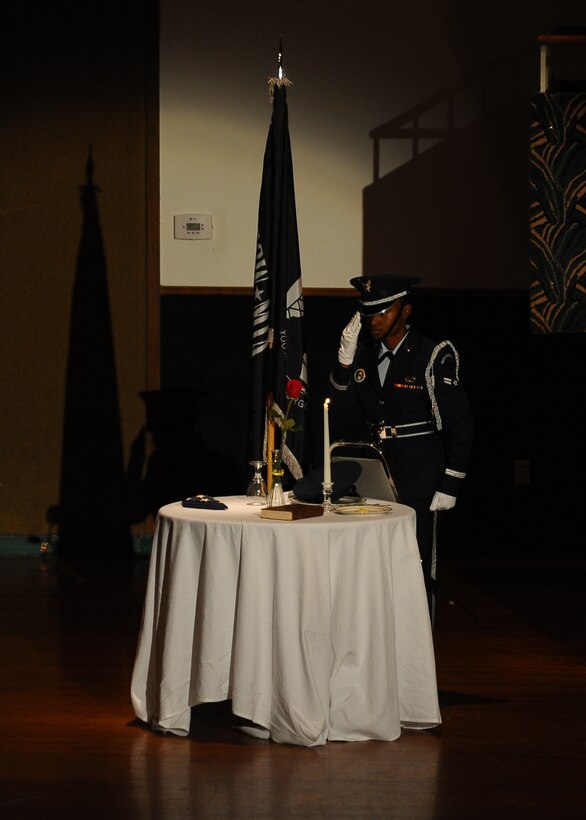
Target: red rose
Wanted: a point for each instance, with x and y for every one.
(294, 389)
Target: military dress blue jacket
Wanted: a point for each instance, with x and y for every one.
(420, 416)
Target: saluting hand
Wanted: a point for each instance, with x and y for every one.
(349, 340)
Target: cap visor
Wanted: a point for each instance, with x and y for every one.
(373, 309)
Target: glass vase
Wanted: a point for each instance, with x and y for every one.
(276, 497)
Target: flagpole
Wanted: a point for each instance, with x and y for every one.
(270, 421)
(270, 441)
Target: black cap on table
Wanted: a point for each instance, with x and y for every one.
(344, 474)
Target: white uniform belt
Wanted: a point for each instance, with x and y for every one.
(415, 428)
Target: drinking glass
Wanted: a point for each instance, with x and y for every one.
(257, 489)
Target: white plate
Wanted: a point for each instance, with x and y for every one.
(363, 509)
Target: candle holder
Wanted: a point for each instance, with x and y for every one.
(327, 488)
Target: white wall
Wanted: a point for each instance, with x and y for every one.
(353, 67)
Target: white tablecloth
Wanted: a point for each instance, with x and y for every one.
(315, 629)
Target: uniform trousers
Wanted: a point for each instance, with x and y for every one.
(416, 479)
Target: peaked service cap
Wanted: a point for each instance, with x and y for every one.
(378, 292)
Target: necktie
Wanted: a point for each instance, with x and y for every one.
(387, 355)
(383, 364)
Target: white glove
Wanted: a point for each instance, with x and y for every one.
(349, 340)
(441, 501)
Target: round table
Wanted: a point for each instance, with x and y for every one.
(316, 629)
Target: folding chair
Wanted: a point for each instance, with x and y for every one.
(375, 479)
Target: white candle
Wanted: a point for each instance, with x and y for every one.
(327, 466)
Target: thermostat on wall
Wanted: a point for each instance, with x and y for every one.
(193, 226)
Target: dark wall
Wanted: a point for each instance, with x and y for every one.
(73, 256)
(528, 393)
(457, 212)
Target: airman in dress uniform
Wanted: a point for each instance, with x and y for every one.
(408, 391)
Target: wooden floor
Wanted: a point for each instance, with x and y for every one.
(510, 663)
